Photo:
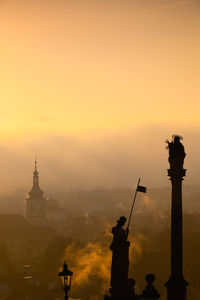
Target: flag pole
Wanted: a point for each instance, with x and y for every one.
(133, 204)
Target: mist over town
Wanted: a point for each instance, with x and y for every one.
(99, 150)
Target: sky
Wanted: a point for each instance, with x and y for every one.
(95, 87)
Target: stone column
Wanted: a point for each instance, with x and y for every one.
(176, 285)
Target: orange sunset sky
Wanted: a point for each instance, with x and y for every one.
(94, 87)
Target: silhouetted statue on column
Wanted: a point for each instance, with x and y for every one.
(120, 257)
(176, 285)
(176, 153)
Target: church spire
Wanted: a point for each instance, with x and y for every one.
(35, 174)
(35, 162)
(36, 190)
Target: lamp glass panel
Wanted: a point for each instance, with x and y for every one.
(61, 279)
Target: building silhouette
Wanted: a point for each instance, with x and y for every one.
(54, 212)
(36, 203)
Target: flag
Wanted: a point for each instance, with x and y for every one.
(141, 189)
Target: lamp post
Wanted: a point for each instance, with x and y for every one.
(27, 279)
(65, 278)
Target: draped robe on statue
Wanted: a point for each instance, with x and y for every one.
(176, 153)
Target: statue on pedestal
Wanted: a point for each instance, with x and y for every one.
(176, 285)
(120, 257)
(176, 153)
(122, 287)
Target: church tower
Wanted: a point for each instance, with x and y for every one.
(36, 203)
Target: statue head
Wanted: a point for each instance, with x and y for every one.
(177, 138)
(121, 221)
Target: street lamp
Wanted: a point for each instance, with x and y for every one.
(27, 280)
(65, 278)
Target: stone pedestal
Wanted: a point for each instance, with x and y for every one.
(176, 288)
(125, 292)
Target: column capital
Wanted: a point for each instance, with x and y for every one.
(176, 174)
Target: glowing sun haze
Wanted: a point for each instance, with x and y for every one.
(69, 66)
(84, 66)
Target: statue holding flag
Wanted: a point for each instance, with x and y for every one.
(121, 286)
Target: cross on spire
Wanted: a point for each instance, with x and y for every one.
(35, 162)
